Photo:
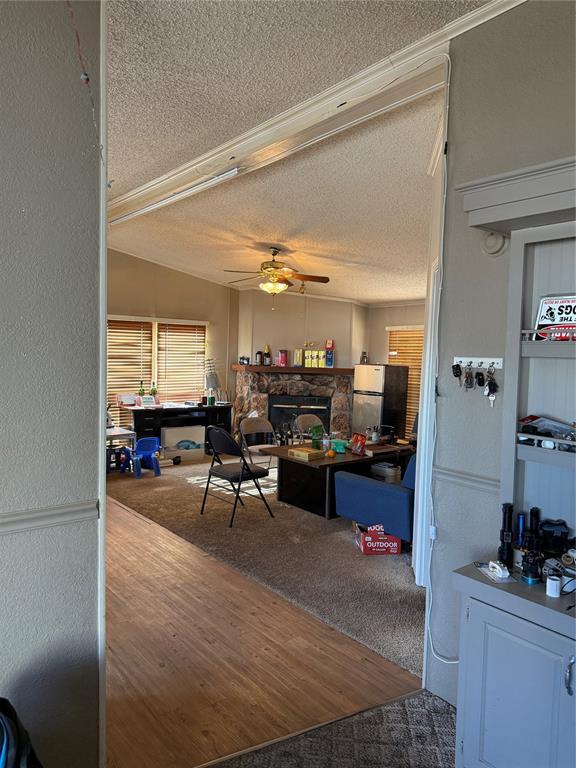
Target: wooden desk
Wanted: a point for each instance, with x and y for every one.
(310, 484)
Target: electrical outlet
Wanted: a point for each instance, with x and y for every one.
(433, 533)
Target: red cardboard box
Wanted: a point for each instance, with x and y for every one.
(373, 541)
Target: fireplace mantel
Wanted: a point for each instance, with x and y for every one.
(237, 368)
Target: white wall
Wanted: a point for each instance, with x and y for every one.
(511, 106)
(298, 319)
(382, 317)
(49, 379)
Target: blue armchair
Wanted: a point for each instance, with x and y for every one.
(372, 502)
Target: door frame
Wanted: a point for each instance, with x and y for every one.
(427, 413)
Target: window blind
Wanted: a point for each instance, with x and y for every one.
(405, 348)
(181, 358)
(129, 359)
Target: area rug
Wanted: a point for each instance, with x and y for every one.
(414, 732)
(308, 560)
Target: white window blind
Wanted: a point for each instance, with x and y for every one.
(129, 361)
(405, 348)
(181, 361)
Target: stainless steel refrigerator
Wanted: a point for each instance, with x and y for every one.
(380, 394)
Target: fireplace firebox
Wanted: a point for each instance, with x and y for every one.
(283, 409)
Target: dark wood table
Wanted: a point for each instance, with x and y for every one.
(310, 484)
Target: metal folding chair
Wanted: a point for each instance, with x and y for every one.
(257, 432)
(235, 473)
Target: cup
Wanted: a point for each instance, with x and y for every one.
(553, 585)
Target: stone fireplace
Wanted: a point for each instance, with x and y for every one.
(254, 388)
(284, 409)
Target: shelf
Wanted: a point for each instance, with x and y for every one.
(546, 456)
(550, 349)
(237, 368)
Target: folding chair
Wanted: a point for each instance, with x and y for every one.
(253, 430)
(305, 422)
(235, 473)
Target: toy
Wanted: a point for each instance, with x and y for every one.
(146, 455)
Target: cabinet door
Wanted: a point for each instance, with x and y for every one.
(517, 712)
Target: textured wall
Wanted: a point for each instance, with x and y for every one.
(48, 659)
(143, 289)
(49, 211)
(380, 318)
(511, 106)
(297, 319)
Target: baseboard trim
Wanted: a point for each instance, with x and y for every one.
(30, 519)
(467, 480)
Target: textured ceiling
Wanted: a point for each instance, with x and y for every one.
(186, 75)
(356, 207)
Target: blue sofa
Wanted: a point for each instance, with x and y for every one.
(367, 501)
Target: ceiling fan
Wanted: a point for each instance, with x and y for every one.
(277, 275)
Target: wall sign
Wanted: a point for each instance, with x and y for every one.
(556, 318)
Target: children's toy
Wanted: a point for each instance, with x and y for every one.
(119, 458)
(146, 455)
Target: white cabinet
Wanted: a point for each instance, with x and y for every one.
(517, 678)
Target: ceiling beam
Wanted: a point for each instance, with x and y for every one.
(409, 74)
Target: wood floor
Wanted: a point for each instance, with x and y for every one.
(204, 662)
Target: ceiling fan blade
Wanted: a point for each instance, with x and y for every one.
(243, 279)
(242, 271)
(310, 278)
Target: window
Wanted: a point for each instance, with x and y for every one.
(405, 346)
(129, 361)
(181, 356)
(170, 354)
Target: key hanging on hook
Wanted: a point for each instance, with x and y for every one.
(468, 377)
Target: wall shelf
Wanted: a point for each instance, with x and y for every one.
(549, 349)
(546, 456)
(237, 368)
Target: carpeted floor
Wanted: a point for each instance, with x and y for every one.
(414, 732)
(306, 559)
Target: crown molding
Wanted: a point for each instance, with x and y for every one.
(412, 72)
(398, 304)
(534, 196)
(314, 296)
(30, 519)
(232, 287)
(181, 270)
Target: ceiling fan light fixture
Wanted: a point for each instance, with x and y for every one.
(274, 287)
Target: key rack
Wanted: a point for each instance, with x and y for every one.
(479, 362)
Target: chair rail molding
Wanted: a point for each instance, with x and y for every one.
(466, 479)
(46, 517)
(529, 197)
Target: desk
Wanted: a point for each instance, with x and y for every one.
(148, 422)
(119, 433)
(310, 484)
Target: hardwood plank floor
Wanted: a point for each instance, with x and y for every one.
(204, 662)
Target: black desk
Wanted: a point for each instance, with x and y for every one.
(148, 422)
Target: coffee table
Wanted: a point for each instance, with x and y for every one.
(310, 484)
